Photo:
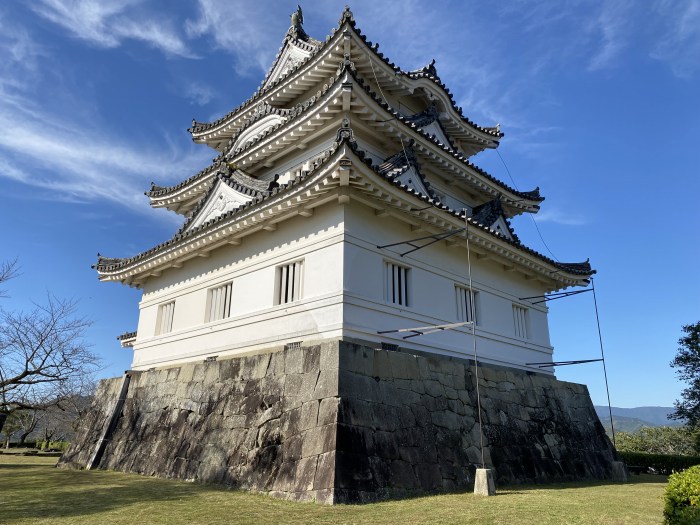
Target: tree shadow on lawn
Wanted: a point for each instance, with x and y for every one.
(40, 491)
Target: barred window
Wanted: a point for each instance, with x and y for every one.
(219, 302)
(289, 281)
(164, 321)
(466, 304)
(397, 289)
(520, 321)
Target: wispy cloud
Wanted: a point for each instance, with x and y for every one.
(85, 164)
(198, 93)
(71, 157)
(108, 24)
(556, 216)
(610, 30)
(679, 43)
(240, 28)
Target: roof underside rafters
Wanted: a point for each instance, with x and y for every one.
(321, 185)
(320, 115)
(378, 119)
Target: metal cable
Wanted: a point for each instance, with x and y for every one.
(476, 360)
(531, 216)
(605, 371)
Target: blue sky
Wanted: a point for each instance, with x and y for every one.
(599, 102)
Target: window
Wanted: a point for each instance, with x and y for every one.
(397, 284)
(520, 322)
(466, 304)
(164, 322)
(288, 285)
(219, 302)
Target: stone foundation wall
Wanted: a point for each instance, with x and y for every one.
(340, 422)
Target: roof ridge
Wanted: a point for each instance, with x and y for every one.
(294, 112)
(157, 191)
(433, 140)
(583, 268)
(348, 19)
(344, 135)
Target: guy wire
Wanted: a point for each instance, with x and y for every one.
(476, 361)
(531, 216)
(387, 103)
(605, 371)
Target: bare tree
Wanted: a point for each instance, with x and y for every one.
(8, 270)
(42, 353)
(21, 423)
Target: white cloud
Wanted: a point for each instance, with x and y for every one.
(198, 93)
(612, 26)
(240, 28)
(21, 55)
(82, 163)
(556, 216)
(679, 43)
(71, 157)
(107, 24)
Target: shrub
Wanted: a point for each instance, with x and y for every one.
(61, 446)
(682, 498)
(661, 463)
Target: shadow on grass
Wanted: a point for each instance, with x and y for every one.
(635, 479)
(42, 491)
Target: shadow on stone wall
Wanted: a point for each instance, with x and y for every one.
(341, 423)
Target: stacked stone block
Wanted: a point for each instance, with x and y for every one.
(341, 422)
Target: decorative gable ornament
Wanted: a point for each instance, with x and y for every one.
(223, 199)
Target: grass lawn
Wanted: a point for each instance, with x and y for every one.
(32, 491)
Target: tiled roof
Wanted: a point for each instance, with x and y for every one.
(157, 191)
(531, 195)
(583, 268)
(488, 213)
(292, 113)
(126, 335)
(299, 109)
(105, 264)
(428, 72)
(425, 117)
(397, 164)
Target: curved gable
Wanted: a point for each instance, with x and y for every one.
(222, 199)
(290, 58)
(256, 130)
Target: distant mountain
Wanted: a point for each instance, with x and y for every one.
(632, 419)
(624, 424)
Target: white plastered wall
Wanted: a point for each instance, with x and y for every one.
(433, 274)
(255, 321)
(343, 294)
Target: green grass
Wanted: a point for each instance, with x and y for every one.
(32, 491)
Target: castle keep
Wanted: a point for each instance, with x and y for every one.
(341, 207)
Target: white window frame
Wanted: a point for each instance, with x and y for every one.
(219, 302)
(289, 280)
(397, 287)
(521, 321)
(164, 319)
(467, 303)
